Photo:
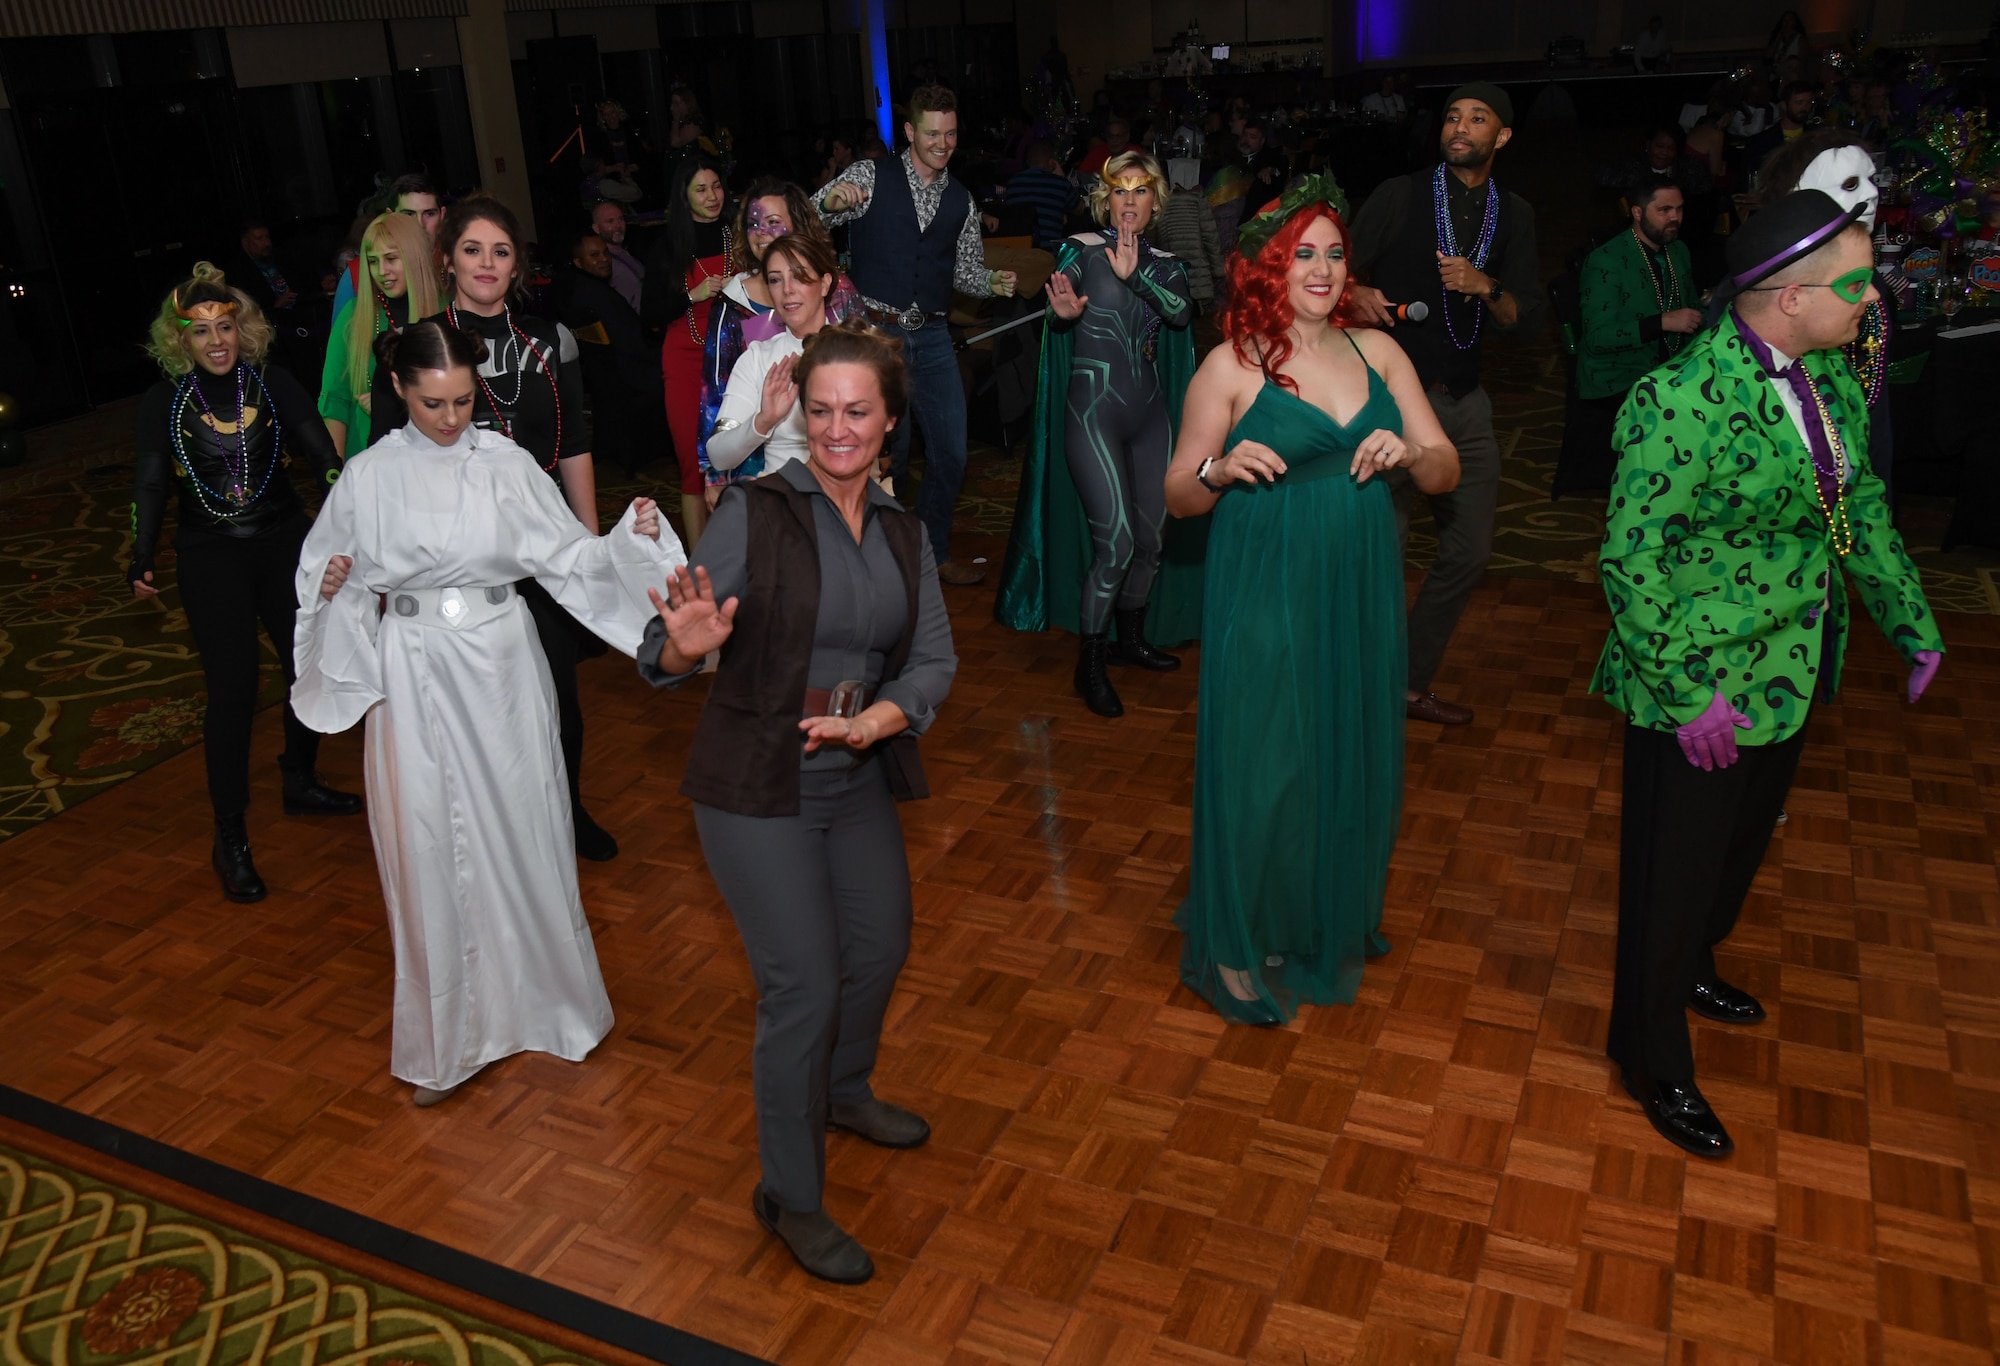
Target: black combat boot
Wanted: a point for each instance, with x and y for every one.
(305, 795)
(240, 882)
(1091, 682)
(1131, 647)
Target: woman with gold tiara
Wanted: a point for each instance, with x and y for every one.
(1089, 543)
(221, 428)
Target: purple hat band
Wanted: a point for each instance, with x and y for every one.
(1816, 238)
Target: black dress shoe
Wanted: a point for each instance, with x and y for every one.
(1430, 707)
(1133, 648)
(1683, 1118)
(883, 1124)
(305, 795)
(593, 841)
(1719, 1001)
(1093, 685)
(233, 867)
(821, 1246)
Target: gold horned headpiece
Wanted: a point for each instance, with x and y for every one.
(207, 311)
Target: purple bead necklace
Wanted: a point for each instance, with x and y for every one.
(1447, 239)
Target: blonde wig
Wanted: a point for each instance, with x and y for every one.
(421, 287)
(166, 338)
(1116, 169)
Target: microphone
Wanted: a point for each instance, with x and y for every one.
(1412, 312)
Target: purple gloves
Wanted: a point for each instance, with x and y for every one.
(1925, 670)
(1709, 741)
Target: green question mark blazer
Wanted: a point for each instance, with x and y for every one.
(1717, 559)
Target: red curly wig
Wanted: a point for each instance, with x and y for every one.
(1260, 308)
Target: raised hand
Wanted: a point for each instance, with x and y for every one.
(1125, 255)
(337, 570)
(779, 395)
(1379, 450)
(646, 518)
(841, 198)
(695, 624)
(1248, 463)
(1063, 297)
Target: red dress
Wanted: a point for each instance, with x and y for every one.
(680, 366)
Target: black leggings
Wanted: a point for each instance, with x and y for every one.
(564, 642)
(228, 586)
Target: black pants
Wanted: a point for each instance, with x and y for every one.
(228, 586)
(564, 643)
(1689, 849)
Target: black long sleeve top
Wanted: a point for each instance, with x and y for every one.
(663, 297)
(229, 469)
(515, 396)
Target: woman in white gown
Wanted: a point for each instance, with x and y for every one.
(408, 618)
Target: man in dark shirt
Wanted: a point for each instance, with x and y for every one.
(1448, 237)
(258, 274)
(1041, 187)
(621, 367)
(1264, 164)
(1795, 115)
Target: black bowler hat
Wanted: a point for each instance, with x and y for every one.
(1774, 237)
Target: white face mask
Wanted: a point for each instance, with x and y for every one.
(1846, 176)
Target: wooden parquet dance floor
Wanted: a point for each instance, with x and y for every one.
(1445, 1170)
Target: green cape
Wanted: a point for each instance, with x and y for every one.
(1048, 553)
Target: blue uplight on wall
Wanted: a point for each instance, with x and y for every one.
(1379, 25)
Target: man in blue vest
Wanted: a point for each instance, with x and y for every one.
(914, 238)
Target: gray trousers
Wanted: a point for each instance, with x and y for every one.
(1465, 528)
(822, 900)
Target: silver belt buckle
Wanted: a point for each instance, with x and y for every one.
(911, 318)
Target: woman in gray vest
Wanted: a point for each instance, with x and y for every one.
(822, 595)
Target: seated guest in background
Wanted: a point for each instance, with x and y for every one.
(1754, 111)
(1795, 114)
(260, 276)
(1650, 51)
(1387, 102)
(1265, 166)
(620, 364)
(1639, 307)
(1117, 140)
(1661, 157)
(627, 273)
(1041, 186)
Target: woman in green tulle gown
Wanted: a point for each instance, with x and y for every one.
(1298, 778)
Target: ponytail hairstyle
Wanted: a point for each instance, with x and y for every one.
(484, 208)
(428, 344)
(206, 286)
(1258, 317)
(423, 290)
(854, 342)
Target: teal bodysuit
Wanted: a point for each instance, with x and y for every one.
(1116, 431)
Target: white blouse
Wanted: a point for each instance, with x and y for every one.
(736, 438)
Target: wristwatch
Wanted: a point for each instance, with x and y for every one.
(1201, 475)
(1498, 290)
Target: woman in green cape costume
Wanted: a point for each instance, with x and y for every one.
(1298, 767)
(1091, 547)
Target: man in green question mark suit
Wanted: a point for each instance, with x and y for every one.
(1742, 510)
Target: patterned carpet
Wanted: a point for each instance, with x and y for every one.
(95, 687)
(97, 1270)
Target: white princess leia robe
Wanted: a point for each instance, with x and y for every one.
(467, 798)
